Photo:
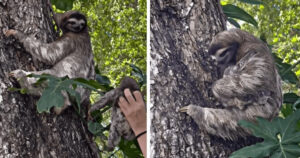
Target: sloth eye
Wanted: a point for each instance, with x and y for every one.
(223, 54)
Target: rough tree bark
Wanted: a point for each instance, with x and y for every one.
(23, 131)
(182, 73)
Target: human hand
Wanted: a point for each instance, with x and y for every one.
(134, 110)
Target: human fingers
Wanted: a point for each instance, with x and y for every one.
(123, 104)
(138, 96)
(129, 96)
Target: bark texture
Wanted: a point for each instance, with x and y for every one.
(23, 131)
(182, 73)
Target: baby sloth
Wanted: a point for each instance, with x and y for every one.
(70, 55)
(119, 126)
(249, 86)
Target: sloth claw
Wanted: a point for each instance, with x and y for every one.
(184, 109)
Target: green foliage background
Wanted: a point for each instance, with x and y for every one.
(118, 32)
(279, 24)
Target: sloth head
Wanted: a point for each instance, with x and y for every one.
(71, 21)
(225, 56)
(228, 47)
(224, 51)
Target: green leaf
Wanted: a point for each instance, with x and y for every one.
(293, 149)
(285, 70)
(49, 99)
(91, 84)
(52, 94)
(234, 23)
(130, 148)
(137, 72)
(63, 4)
(40, 81)
(286, 110)
(104, 82)
(251, 1)
(281, 138)
(75, 95)
(296, 105)
(258, 150)
(233, 11)
(264, 129)
(136, 69)
(290, 98)
(95, 128)
(287, 128)
(13, 89)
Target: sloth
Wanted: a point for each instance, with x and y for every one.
(70, 55)
(249, 87)
(119, 126)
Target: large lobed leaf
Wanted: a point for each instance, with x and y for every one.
(52, 95)
(281, 138)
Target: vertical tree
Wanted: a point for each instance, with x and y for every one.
(23, 131)
(182, 73)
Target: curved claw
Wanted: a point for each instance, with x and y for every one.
(184, 109)
(11, 74)
(10, 32)
(17, 74)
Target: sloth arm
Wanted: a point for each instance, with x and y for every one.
(49, 53)
(229, 90)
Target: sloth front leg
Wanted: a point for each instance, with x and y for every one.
(218, 122)
(28, 84)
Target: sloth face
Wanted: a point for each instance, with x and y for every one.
(224, 57)
(75, 25)
(71, 21)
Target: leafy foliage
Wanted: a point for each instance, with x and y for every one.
(95, 128)
(137, 72)
(118, 32)
(233, 11)
(130, 148)
(252, 1)
(285, 71)
(293, 99)
(279, 23)
(52, 95)
(63, 4)
(281, 138)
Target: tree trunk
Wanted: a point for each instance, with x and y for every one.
(23, 131)
(182, 73)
